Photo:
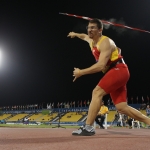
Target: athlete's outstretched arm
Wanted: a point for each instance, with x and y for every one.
(81, 36)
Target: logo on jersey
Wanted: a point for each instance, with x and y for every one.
(117, 69)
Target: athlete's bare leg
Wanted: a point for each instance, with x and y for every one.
(97, 96)
(133, 113)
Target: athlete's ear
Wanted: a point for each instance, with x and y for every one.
(100, 30)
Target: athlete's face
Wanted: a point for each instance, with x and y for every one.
(93, 30)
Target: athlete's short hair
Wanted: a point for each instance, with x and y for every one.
(97, 22)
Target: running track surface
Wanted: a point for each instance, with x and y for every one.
(61, 139)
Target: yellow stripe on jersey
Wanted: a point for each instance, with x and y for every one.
(114, 55)
(98, 43)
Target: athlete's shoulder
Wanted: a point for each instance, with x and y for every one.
(107, 41)
(103, 40)
(104, 36)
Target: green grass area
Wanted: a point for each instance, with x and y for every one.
(34, 126)
(49, 126)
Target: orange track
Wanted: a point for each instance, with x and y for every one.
(61, 139)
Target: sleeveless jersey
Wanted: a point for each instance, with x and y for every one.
(114, 56)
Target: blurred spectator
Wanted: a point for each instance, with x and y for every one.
(101, 115)
(26, 121)
(147, 113)
(120, 120)
(116, 117)
(130, 122)
(124, 119)
(143, 106)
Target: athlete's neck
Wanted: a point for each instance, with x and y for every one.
(96, 39)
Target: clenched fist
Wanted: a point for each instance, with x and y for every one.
(71, 34)
(76, 73)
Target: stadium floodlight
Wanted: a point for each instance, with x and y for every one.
(0, 57)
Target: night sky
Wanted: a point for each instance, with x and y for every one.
(38, 58)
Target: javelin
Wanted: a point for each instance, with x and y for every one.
(106, 22)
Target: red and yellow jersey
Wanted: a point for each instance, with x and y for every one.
(114, 56)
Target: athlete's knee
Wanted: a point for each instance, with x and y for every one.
(98, 92)
(122, 107)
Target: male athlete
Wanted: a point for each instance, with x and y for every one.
(109, 61)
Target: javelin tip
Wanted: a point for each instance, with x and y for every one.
(61, 13)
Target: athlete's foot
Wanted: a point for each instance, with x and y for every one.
(85, 130)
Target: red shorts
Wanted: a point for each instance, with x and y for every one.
(114, 83)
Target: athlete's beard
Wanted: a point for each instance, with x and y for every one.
(90, 35)
(93, 35)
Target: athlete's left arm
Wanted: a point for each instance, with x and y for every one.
(105, 54)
